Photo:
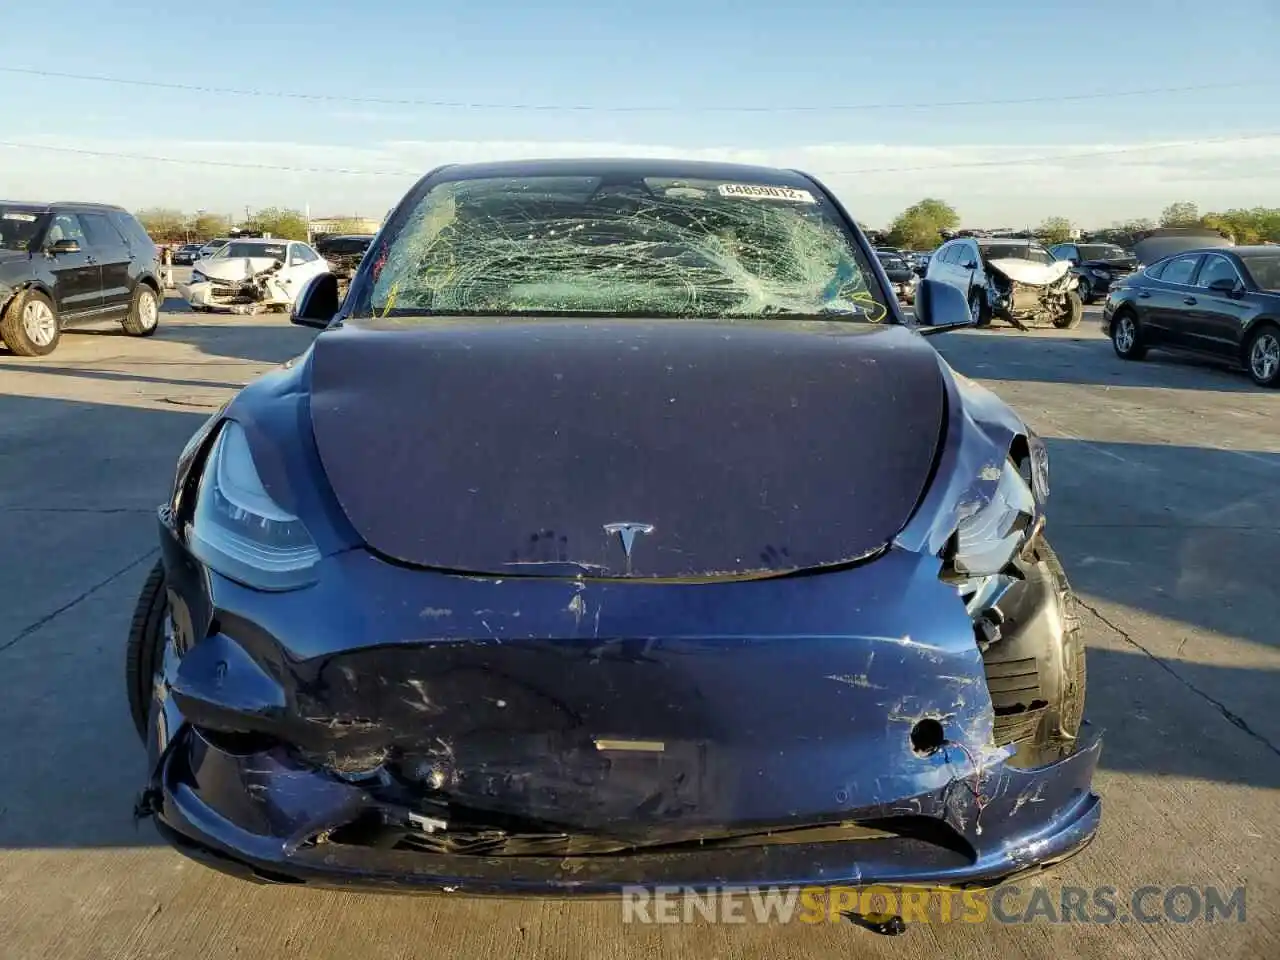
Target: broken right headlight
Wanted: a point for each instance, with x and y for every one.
(988, 537)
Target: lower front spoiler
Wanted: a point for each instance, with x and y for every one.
(1032, 818)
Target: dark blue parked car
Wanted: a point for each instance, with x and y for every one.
(617, 529)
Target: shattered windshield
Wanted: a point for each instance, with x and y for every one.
(19, 226)
(632, 246)
(1102, 251)
(1265, 270)
(1016, 251)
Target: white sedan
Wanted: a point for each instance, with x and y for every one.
(246, 276)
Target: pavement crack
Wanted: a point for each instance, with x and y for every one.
(1227, 713)
(31, 628)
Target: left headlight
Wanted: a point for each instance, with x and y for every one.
(987, 539)
(198, 277)
(238, 530)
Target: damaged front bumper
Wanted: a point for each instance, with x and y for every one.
(1027, 304)
(415, 730)
(243, 297)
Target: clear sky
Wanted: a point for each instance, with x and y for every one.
(737, 79)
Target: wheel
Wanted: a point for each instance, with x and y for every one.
(29, 326)
(147, 637)
(1263, 355)
(1085, 290)
(979, 310)
(1071, 317)
(1066, 709)
(1036, 673)
(144, 312)
(1126, 336)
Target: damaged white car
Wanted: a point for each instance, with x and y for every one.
(1017, 281)
(252, 276)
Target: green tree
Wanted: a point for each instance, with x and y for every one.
(1183, 213)
(281, 223)
(163, 223)
(1255, 225)
(1055, 230)
(920, 226)
(207, 226)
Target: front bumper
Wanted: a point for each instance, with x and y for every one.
(207, 795)
(303, 737)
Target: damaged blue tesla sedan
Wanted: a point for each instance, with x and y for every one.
(618, 528)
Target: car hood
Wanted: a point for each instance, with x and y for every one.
(1029, 272)
(1113, 263)
(514, 446)
(233, 269)
(1150, 250)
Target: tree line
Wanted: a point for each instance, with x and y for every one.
(924, 225)
(167, 225)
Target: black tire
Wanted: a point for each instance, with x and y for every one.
(1085, 290)
(1070, 319)
(1066, 710)
(1036, 669)
(979, 307)
(1262, 377)
(144, 312)
(145, 645)
(14, 334)
(1136, 348)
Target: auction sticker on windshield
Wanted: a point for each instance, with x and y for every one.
(24, 217)
(759, 192)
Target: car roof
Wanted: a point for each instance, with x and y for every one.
(1252, 248)
(1194, 251)
(633, 166)
(66, 205)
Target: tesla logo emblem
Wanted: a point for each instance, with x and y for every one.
(627, 533)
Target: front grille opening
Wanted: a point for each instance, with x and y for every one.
(374, 830)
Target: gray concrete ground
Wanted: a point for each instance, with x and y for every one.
(1166, 494)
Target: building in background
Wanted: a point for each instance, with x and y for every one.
(325, 226)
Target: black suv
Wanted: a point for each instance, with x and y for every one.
(64, 264)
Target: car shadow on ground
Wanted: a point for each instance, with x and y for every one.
(1008, 354)
(1186, 533)
(269, 338)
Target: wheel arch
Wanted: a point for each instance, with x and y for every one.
(39, 286)
(1123, 308)
(1266, 320)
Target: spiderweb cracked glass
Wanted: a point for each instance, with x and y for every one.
(663, 248)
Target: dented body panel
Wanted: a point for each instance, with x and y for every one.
(650, 715)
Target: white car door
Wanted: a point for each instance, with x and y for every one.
(302, 263)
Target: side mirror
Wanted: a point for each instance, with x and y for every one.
(940, 307)
(1225, 285)
(317, 302)
(969, 265)
(65, 246)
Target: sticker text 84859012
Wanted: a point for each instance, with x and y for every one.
(754, 191)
